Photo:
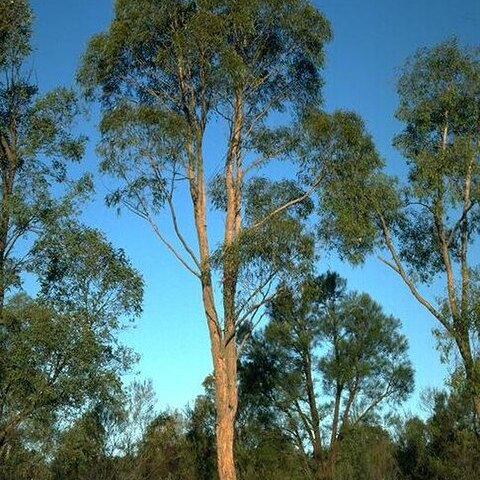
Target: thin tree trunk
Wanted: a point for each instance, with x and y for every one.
(8, 169)
(225, 359)
(315, 416)
(471, 373)
(223, 341)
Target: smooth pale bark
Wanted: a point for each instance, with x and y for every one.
(226, 402)
(222, 337)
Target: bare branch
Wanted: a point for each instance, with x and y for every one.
(460, 221)
(397, 267)
(256, 291)
(145, 214)
(173, 215)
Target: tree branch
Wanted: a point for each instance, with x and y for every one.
(287, 205)
(397, 267)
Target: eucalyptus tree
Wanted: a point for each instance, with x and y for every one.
(170, 73)
(36, 144)
(425, 229)
(321, 335)
(440, 107)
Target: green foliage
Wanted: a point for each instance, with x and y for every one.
(52, 364)
(165, 72)
(59, 353)
(445, 446)
(15, 30)
(438, 85)
(358, 346)
(212, 49)
(185, 62)
(367, 453)
(201, 433)
(337, 148)
(80, 453)
(368, 350)
(80, 271)
(229, 44)
(439, 91)
(25, 463)
(37, 144)
(319, 334)
(266, 452)
(165, 450)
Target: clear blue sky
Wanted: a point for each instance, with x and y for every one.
(372, 38)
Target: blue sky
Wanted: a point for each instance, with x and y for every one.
(372, 38)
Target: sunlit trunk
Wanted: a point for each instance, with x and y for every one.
(226, 402)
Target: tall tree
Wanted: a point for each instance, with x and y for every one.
(58, 352)
(169, 72)
(320, 334)
(440, 107)
(427, 225)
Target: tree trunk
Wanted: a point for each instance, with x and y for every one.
(472, 375)
(473, 380)
(224, 357)
(315, 416)
(225, 350)
(226, 403)
(476, 405)
(8, 169)
(325, 470)
(222, 338)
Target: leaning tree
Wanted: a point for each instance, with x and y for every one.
(426, 227)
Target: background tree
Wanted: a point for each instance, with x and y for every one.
(443, 446)
(165, 72)
(367, 453)
(428, 225)
(36, 145)
(164, 451)
(347, 343)
(58, 351)
(81, 454)
(201, 432)
(61, 352)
